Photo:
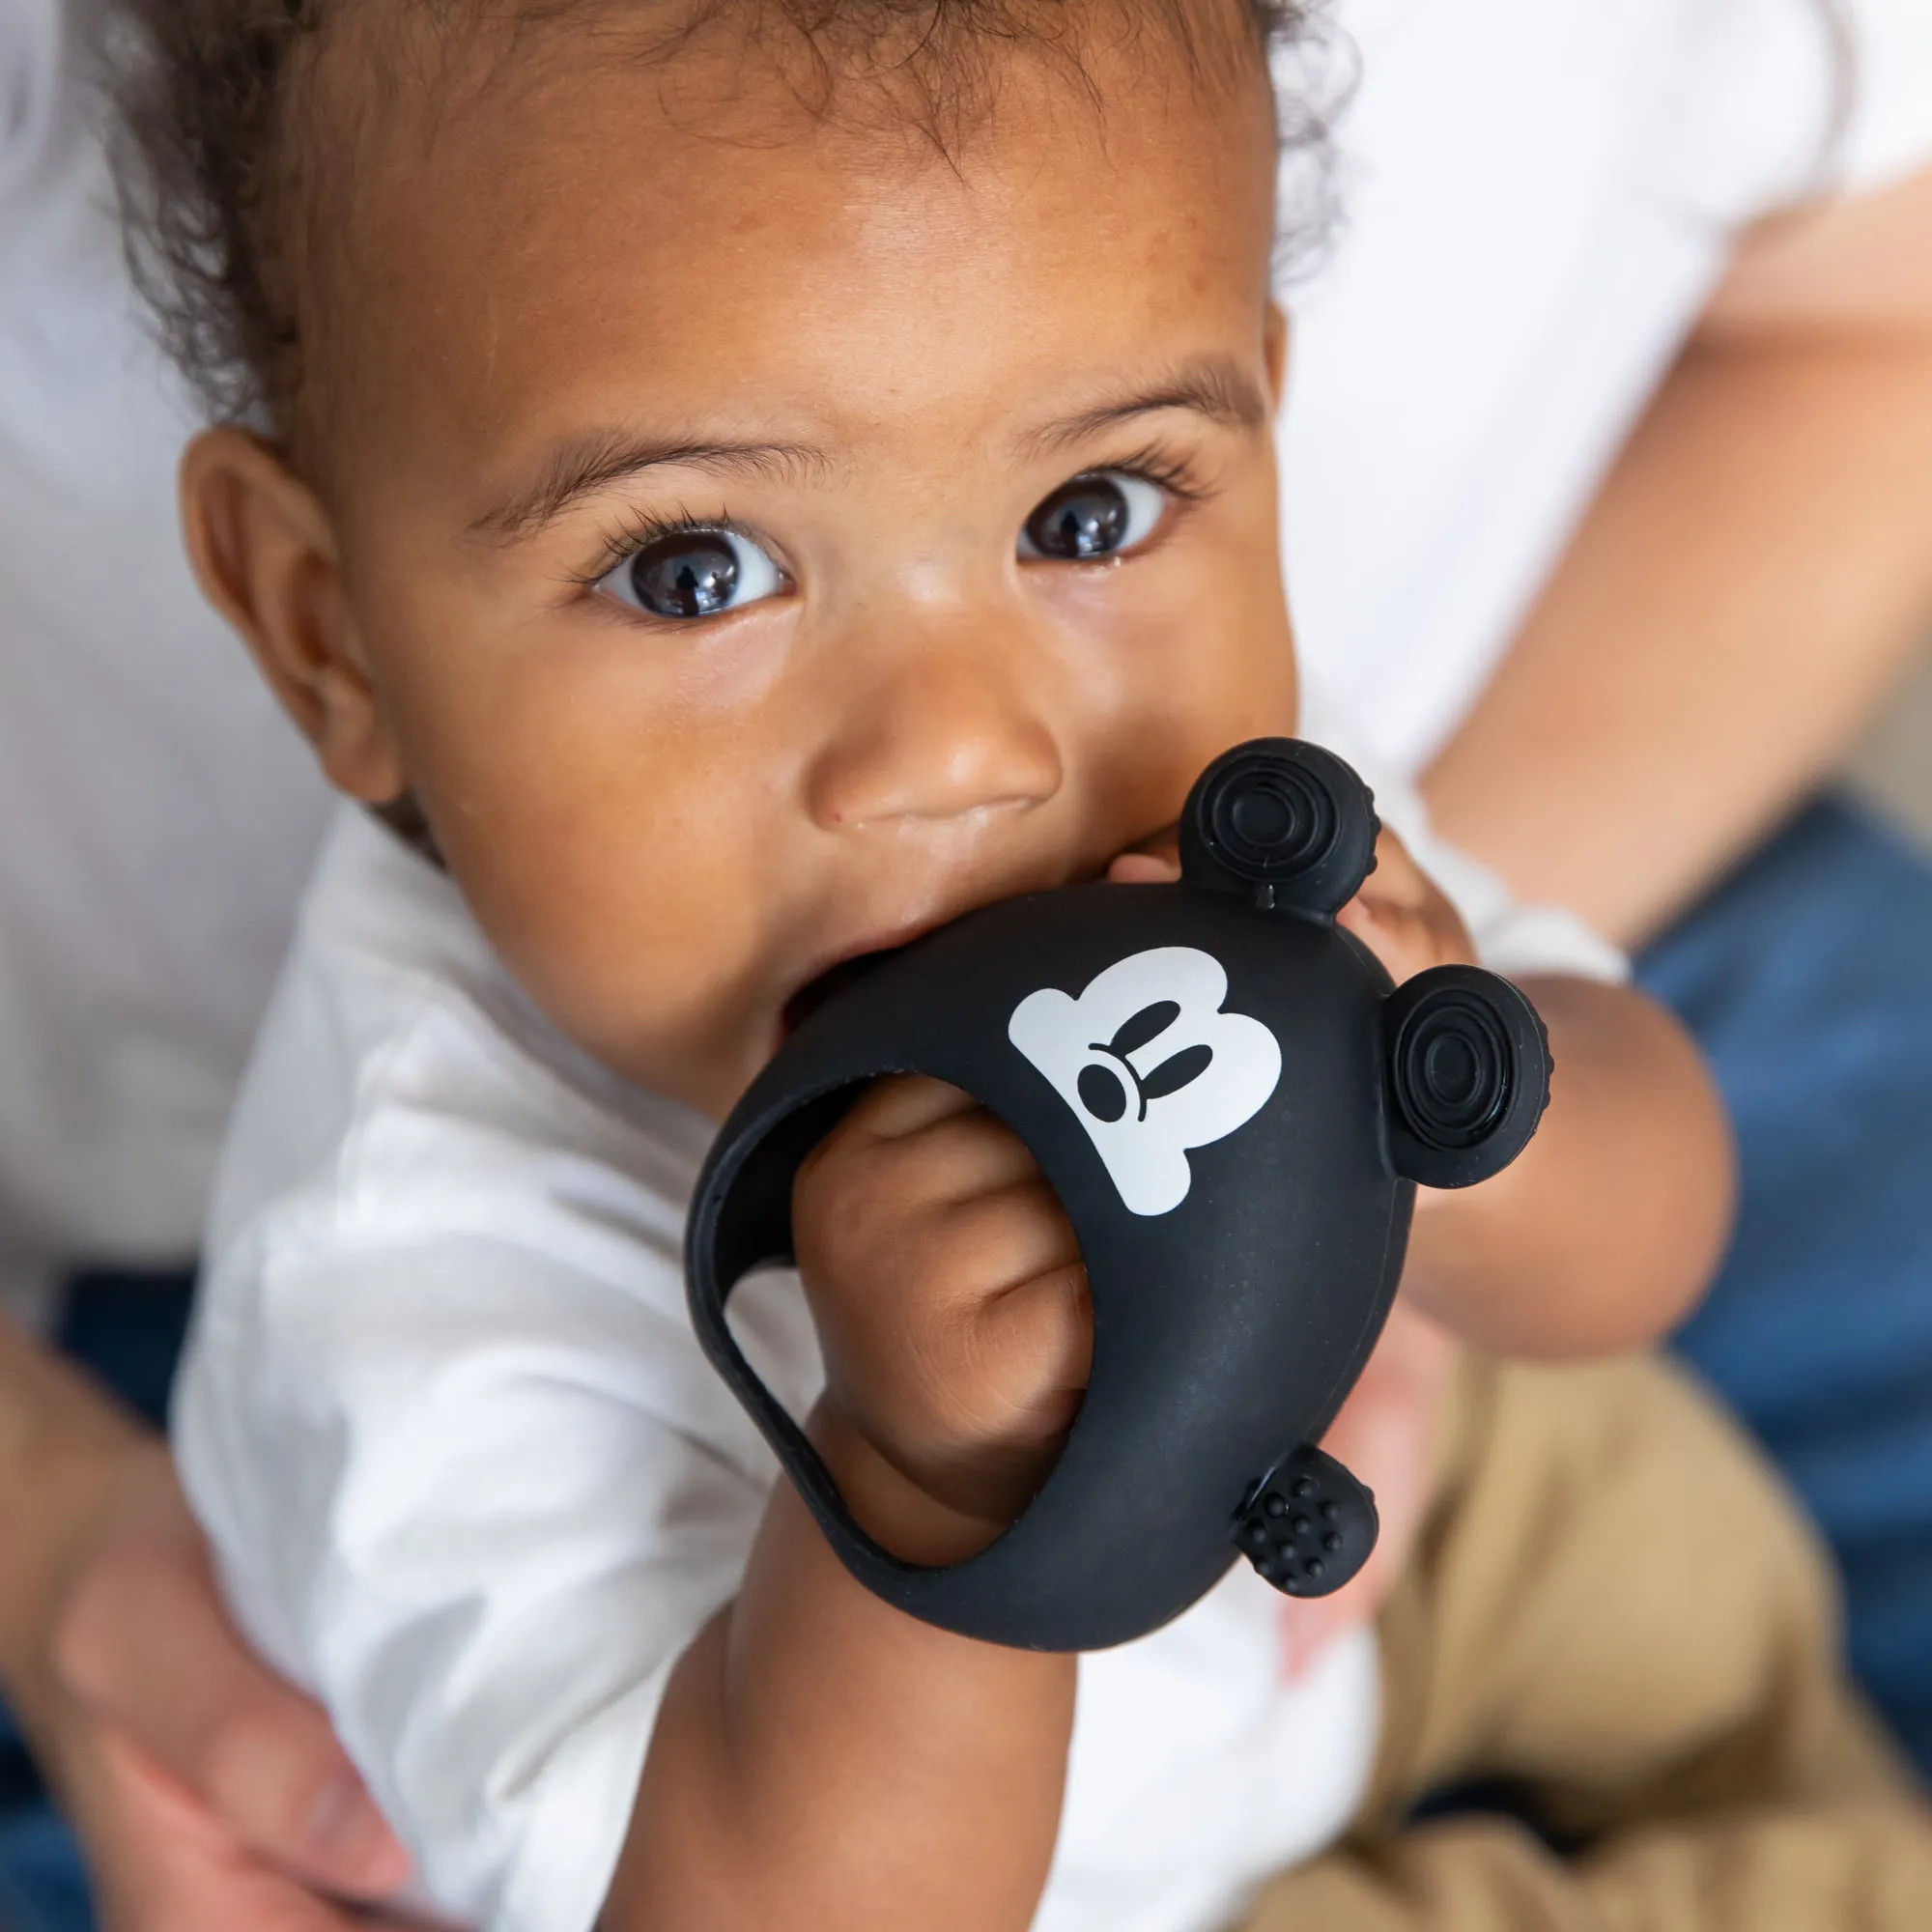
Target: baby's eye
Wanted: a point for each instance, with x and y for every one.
(694, 573)
(1101, 514)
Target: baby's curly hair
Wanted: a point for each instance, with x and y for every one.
(215, 162)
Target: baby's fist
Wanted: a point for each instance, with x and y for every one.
(950, 1302)
(1400, 914)
(1404, 918)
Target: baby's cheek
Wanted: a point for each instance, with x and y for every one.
(635, 954)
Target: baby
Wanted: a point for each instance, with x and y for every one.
(727, 488)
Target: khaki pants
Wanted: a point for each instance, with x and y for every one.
(1615, 1606)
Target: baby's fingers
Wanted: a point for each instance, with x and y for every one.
(1040, 1333)
(1156, 861)
(908, 1148)
(1404, 917)
(906, 1104)
(1025, 1353)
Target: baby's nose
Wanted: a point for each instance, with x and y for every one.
(948, 726)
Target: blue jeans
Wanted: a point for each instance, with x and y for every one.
(1807, 979)
(1807, 976)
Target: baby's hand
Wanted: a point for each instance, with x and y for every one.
(1400, 914)
(952, 1306)
(1404, 918)
(946, 1285)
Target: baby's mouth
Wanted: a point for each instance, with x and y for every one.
(826, 987)
(832, 980)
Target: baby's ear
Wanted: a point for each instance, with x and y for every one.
(1469, 1073)
(264, 551)
(1277, 343)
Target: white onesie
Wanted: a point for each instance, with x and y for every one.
(470, 1481)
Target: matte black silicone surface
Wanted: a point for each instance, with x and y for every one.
(1206, 1084)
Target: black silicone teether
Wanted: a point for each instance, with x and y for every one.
(1458, 1039)
(1234, 1106)
(1286, 821)
(1310, 1527)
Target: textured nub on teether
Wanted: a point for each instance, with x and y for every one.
(1310, 1527)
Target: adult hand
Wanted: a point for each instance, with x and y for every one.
(206, 1792)
(161, 1861)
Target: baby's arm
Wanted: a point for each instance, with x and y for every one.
(822, 1760)
(1604, 1231)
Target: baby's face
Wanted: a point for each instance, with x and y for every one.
(762, 549)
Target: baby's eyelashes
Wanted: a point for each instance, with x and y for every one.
(686, 571)
(694, 571)
(1101, 514)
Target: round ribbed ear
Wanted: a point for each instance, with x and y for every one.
(1282, 822)
(1468, 1074)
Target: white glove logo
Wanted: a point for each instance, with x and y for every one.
(1151, 1066)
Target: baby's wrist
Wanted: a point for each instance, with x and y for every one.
(1436, 1280)
(892, 1508)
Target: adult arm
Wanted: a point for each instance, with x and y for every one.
(206, 1792)
(61, 1448)
(1752, 577)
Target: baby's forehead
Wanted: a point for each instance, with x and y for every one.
(558, 193)
(446, 91)
(289, 163)
(940, 73)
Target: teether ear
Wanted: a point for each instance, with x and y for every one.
(1282, 822)
(1468, 1071)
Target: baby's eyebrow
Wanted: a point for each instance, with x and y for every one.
(583, 465)
(1215, 386)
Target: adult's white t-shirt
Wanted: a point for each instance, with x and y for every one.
(157, 818)
(1537, 199)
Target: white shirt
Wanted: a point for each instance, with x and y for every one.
(157, 817)
(1538, 197)
(470, 1479)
